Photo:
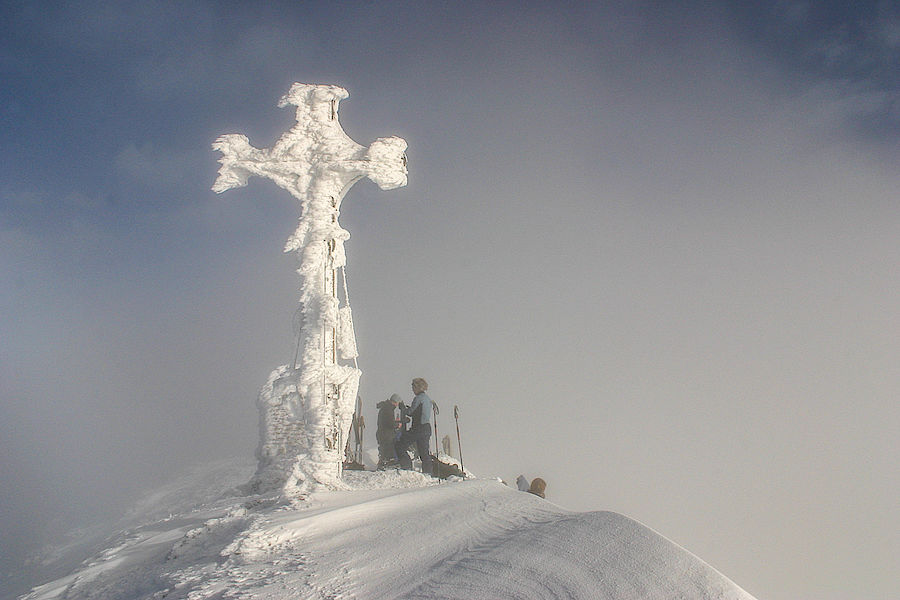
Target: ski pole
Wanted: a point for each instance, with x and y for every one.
(360, 427)
(435, 411)
(359, 440)
(458, 440)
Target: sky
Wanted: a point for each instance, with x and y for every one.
(649, 251)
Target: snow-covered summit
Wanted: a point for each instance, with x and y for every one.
(390, 535)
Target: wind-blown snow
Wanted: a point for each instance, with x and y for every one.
(391, 535)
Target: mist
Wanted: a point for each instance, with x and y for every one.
(650, 254)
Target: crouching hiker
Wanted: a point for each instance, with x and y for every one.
(420, 428)
(538, 486)
(387, 432)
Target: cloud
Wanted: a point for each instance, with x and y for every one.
(855, 40)
(11, 63)
(42, 212)
(885, 25)
(887, 32)
(655, 216)
(840, 61)
(95, 26)
(151, 166)
(224, 60)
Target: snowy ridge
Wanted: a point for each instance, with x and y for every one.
(392, 534)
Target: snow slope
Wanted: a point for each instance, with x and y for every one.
(393, 535)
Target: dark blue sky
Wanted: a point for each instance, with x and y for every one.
(650, 249)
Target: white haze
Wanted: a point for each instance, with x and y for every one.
(649, 265)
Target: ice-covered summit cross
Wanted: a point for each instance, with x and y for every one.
(306, 407)
(315, 159)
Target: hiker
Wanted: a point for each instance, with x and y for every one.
(419, 430)
(522, 483)
(388, 428)
(538, 486)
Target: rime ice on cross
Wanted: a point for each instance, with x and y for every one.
(306, 408)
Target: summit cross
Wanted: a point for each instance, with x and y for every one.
(306, 407)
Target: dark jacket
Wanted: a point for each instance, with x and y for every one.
(387, 425)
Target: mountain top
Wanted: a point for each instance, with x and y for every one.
(392, 534)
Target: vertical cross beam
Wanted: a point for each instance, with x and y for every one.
(306, 408)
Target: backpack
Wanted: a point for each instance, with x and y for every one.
(444, 470)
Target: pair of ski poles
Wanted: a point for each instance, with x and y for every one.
(458, 440)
